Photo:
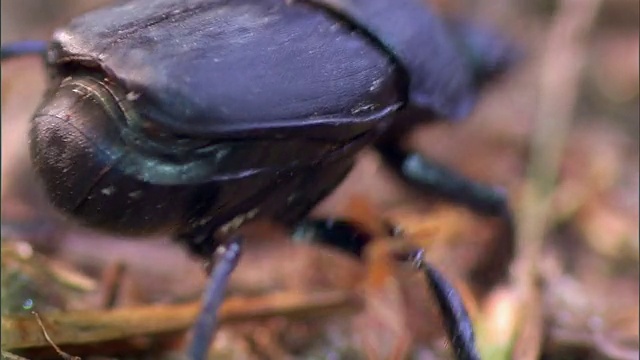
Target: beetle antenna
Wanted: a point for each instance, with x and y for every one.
(457, 322)
(21, 48)
(225, 261)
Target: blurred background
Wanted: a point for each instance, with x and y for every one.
(560, 133)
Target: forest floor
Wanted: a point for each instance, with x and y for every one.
(559, 133)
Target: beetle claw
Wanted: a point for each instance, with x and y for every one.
(457, 322)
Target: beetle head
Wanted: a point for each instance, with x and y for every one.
(101, 167)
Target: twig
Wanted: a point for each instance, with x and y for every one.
(562, 65)
(90, 327)
(62, 354)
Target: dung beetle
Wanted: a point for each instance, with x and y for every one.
(192, 117)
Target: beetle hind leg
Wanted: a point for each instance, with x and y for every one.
(436, 179)
(431, 176)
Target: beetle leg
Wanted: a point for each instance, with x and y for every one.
(20, 48)
(349, 237)
(428, 175)
(341, 234)
(224, 262)
(485, 200)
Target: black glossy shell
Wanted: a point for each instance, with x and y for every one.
(191, 117)
(216, 68)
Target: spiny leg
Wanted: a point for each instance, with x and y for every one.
(351, 238)
(21, 48)
(224, 262)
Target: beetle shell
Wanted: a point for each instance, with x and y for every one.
(219, 68)
(189, 117)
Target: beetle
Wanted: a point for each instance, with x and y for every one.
(191, 118)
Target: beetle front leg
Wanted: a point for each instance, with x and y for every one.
(224, 262)
(21, 48)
